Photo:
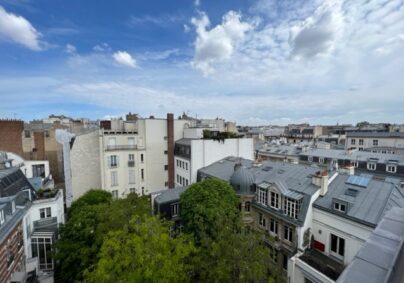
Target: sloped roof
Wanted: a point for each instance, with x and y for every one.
(370, 204)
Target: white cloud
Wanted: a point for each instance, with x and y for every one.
(197, 2)
(219, 43)
(70, 49)
(18, 29)
(124, 58)
(101, 47)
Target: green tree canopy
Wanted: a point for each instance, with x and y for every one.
(143, 251)
(208, 206)
(91, 218)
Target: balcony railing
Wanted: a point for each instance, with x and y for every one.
(131, 163)
(121, 147)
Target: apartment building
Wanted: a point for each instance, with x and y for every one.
(194, 152)
(29, 221)
(378, 142)
(343, 220)
(123, 156)
(363, 161)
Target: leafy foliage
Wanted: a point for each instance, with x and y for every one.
(209, 206)
(90, 219)
(143, 251)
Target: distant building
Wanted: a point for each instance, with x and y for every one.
(191, 154)
(380, 142)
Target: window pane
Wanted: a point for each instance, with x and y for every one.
(341, 246)
(334, 243)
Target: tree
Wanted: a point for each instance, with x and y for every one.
(207, 207)
(91, 218)
(232, 257)
(143, 251)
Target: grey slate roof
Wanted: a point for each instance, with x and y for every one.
(281, 150)
(381, 258)
(376, 134)
(170, 195)
(354, 155)
(370, 204)
(184, 141)
(293, 179)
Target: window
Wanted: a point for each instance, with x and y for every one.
(285, 262)
(114, 178)
(274, 200)
(262, 221)
(310, 158)
(111, 142)
(142, 191)
(114, 194)
(165, 138)
(131, 142)
(360, 141)
(113, 161)
(371, 166)
(321, 160)
(2, 217)
(178, 163)
(165, 151)
(361, 149)
(337, 246)
(263, 196)
(353, 141)
(132, 190)
(334, 162)
(166, 167)
(42, 248)
(375, 142)
(178, 179)
(273, 254)
(247, 206)
(45, 212)
(291, 207)
(186, 182)
(175, 209)
(391, 168)
(131, 160)
(131, 176)
(340, 207)
(273, 228)
(142, 174)
(46, 133)
(288, 233)
(141, 158)
(186, 165)
(355, 164)
(27, 133)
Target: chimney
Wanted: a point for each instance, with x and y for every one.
(170, 150)
(349, 170)
(320, 179)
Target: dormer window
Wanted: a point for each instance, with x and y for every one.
(274, 200)
(391, 168)
(292, 207)
(321, 160)
(371, 166)
(353, 141)
(262, 196)
(340, 207)
(310, 158)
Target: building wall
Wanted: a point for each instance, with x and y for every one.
(10, 136)
(355, 234)
(85, 163)
(205, 152)
(57, 210)
(11, 244)
(182, 170)
(368, 142)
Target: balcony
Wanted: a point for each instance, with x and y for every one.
(322, 263)
(121, 147)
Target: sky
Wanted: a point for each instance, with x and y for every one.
(252, 62)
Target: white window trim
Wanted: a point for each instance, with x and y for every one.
(393, 167)
(336, 254)
(338, 206)
(370, 166)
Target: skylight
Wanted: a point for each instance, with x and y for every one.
(360, 181)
